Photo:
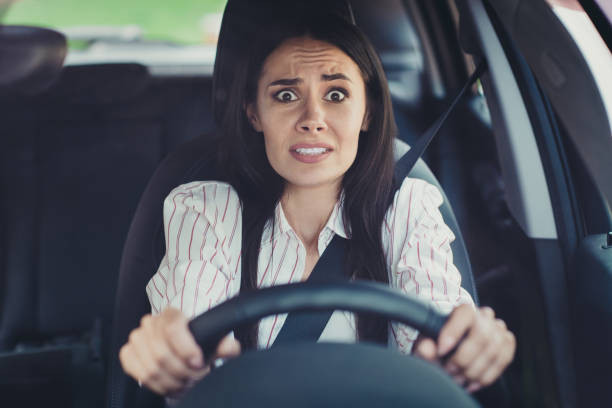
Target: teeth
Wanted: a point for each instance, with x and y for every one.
(311, 151)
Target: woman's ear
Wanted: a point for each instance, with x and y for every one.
(365, 124)
(252, 116)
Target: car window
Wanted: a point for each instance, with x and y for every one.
(186, 22)
(142, 31)
(590, 43)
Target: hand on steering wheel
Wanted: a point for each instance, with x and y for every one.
(473, 347)
(163, 355)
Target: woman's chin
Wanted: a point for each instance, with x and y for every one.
(313, 183)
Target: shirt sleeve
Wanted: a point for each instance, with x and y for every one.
(202, 226)
(423, 260)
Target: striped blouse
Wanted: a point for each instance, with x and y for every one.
(201, 267)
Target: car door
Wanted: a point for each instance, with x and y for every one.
(588, 161)
(565, 98)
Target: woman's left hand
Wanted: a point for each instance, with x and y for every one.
(482, 347)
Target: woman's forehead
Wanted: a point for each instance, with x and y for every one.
(304, 54)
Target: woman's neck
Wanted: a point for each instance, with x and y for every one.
(307, 210)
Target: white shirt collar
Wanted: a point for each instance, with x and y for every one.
(335, 223)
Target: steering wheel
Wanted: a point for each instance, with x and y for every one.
(322, 374)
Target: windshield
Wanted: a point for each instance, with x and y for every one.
(187, 22)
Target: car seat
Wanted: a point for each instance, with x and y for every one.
(79, 143)
(33, 370)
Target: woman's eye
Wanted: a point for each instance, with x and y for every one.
(335, 95)
(286, 96)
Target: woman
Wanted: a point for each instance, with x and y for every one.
(307, 152)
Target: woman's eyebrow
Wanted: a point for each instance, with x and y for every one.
(296, 81)
(286, 82)
(334, 77)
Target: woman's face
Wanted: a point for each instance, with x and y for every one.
(310, 106)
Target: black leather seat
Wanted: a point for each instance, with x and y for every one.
(79, 144)
(144, 247)
(41, 362)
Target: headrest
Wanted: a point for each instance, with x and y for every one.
(31, 58)
(100, 84)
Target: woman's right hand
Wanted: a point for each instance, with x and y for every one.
(163, 355)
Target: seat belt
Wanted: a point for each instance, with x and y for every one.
(308, 326)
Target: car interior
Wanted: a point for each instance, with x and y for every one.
(89, 152)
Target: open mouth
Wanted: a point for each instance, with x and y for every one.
(312, 151)
(310, 154)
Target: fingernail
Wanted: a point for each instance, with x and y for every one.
(451, 368)
(473, 387)
(196, 362)
(446, 343)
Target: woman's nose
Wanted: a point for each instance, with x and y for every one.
(312, 119)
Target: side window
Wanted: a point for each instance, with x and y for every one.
(590, 43)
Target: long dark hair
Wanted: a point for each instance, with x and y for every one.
(367, 185)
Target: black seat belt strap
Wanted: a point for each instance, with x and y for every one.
(308, 326)
(405, 164)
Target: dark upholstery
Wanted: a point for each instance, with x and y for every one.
(73, 164)
(144, 249)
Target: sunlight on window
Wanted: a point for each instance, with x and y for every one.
(590, 43)
(187, 22)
